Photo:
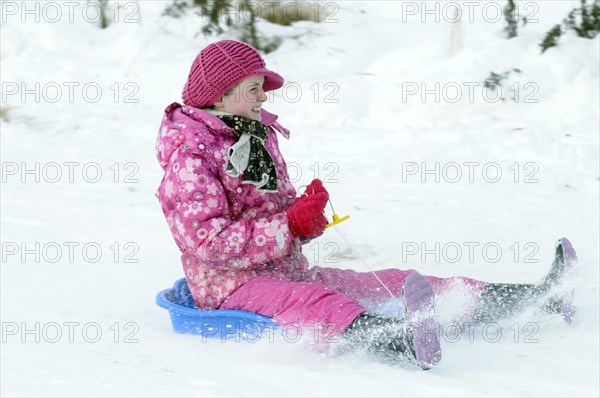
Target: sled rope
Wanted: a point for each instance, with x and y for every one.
(361, 259)
(371, 271)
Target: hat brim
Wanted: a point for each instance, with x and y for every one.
(273, 80)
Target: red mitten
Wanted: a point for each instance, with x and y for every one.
(306, 218)
(315, 186)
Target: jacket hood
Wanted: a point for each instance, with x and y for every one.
(180, 122)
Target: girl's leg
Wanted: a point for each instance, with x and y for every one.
(500, 300)
(363, 286)
(298, 303)
(456, 297)
(414, 335)
(314, 303)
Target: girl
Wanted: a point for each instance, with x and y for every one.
(240, 225)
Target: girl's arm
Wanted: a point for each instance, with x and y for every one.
(198, 214)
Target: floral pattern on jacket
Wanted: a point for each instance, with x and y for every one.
(228, 232)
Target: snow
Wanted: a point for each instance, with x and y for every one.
(371, 147)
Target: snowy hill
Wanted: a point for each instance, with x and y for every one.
(390, 111)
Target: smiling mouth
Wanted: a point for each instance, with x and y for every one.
(256, 109)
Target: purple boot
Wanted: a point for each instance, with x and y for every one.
(552, 294)
(413, 338)
(418, 298)
(568, 309)
(559, 282)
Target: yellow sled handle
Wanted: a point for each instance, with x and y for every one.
(337, 220)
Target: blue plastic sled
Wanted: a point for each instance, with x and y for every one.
(223, 324)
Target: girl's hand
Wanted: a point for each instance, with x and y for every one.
(316, 186)
(307, 217)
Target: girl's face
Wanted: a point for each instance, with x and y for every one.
(245, 99)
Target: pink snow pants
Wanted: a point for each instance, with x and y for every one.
(331, 296)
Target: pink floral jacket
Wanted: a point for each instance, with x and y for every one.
(228, 232)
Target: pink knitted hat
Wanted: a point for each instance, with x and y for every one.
(219, 67)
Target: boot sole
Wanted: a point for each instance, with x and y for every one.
(568, 308)
(419, 302)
